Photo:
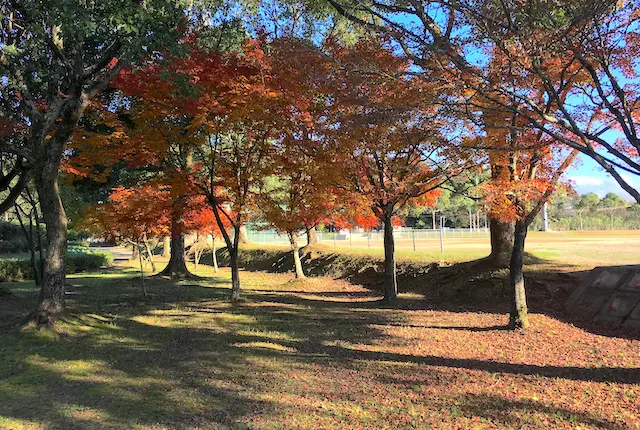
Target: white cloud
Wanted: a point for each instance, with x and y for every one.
(601, 184)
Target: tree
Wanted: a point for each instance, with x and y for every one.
(588, 202)
(55, 58)
(389, 135)
(241, 126)
(134, 215)
(579, 53)
(296, 200)
(201, 221)
(612, 203)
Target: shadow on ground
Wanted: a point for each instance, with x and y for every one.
(183, 357)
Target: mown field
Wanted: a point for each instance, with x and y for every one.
(583, 248)
(318, 353)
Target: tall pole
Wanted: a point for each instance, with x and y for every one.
(545, 217)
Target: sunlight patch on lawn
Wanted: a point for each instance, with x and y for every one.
(265, 345)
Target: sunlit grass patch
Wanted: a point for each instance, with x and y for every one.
(314, 353)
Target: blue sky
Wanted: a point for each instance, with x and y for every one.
(587, 177)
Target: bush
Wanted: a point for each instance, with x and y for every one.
(87, 260)
(77, 236)
(18, 270)
(15, 245)
(15, 270)
(9, 231)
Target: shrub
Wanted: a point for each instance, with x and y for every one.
(77, 246)
(19, 270)
(15, 270)
(87, 260)
(14, 245)
(9, 231)
(77, 236)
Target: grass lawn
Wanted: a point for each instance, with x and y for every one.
(318, 353)
(584, 248)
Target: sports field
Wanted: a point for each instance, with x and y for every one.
(583, 248)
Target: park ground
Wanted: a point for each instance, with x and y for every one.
(317, 353)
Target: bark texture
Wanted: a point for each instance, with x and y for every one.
(519, 318)
(177, 266)
(502, 240)
(48, 158)
(391, 281)
(51, 303)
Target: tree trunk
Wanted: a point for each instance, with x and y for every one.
(293, 238)
(235, 271)
(611, 216)
(177, 266)
(166, 246)
(134, 253)
(51, 303)
(312, 236)
(150, 255)
(580, 216)
(391, 282)
(502, 240)
(518, 319)
(214, 257)
(243, 234)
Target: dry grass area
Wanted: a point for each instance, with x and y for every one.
(584, 248)
(318, 353)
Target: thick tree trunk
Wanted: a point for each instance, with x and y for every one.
(243, 238)
(48, 152)
(391, 282)
(312, 236)
(293, 238)
(166, 246)
(496, 121)
(518, 319)
(51, 303)
(177, 266)
(502, 240)
(134, 253)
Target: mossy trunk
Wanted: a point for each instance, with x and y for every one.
(48, 156)
(51, 303)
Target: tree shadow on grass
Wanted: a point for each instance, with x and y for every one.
(185, 357)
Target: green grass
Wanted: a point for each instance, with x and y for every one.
(300, 354)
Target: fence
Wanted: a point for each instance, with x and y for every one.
(405, 238)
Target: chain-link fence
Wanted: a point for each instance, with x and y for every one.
(405, 238)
